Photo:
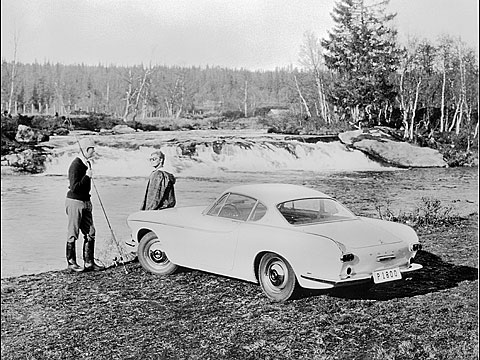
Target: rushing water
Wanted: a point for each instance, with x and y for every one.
(34, 221)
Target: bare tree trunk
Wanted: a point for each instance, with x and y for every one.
(246, 98)
(414, 109)
(182, 99)
(463, 93)
(321, 97)
(128, 96)
(304, 102)
(325, 108)
(169, 109)
(107, 100)
(403, 107)
(144, 106)
(455, 115)
(459, 118)
(14, 69)
(442, 106)
(469, 121)
(140, 92)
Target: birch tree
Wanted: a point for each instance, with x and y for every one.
(302, 98)
(311, 57)
(14, 71)
(137, 84)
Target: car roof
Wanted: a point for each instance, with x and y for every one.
(276, 193)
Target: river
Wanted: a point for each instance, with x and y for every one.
(205, 163)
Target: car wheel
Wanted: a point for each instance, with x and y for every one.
(152, 257)
(276, 277)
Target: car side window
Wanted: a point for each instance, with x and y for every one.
(217, 206)
(237, 207)
(258, 213)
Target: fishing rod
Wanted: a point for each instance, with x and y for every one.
(115, 241)
(101, 204)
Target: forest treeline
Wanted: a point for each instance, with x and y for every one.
(360, 75)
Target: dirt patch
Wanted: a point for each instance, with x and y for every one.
(196, 315)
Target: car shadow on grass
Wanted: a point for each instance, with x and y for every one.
(436, 275)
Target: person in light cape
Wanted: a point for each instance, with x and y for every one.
(160, 191)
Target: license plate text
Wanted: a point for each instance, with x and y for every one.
(386, 275)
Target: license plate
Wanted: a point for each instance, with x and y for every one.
(386, 275)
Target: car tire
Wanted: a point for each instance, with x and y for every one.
(276, 277)
(152, 257)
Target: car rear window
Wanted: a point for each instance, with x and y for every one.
(314, 210)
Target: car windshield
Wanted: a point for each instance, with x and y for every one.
(313, 210)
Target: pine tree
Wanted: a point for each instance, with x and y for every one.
(362, 52)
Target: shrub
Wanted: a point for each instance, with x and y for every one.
(233, 114)
(429, 212)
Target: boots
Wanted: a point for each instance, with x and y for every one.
(88, 250)
(72, 258)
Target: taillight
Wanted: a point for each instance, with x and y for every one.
(415, 247)
(347, 257)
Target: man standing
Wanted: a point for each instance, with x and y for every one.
(79, 209)
(160, 193)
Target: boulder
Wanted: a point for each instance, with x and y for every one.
(348, 136)
(123, 129)
(25, 134)
(61, 131)
(380, 146)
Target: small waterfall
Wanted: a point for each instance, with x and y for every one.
(205, 157)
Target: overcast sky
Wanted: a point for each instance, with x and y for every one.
(251, 34)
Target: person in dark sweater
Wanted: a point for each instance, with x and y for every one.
(79, 209)
(160, 192)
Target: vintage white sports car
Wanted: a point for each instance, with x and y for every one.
(281, 236)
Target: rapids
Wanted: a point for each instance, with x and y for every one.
(203, 153)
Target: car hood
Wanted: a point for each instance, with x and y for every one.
(357, 233)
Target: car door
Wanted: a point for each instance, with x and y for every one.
(215, 245)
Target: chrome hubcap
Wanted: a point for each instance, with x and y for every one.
(157, 255)
(276, 274)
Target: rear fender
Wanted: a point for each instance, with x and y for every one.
(314, 256)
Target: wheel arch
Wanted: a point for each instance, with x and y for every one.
(258, 257)
(142, 232)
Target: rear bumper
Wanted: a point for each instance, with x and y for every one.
(317, 283)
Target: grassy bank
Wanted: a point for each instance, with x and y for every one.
(195, 315)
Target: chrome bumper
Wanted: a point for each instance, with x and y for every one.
(358, 279)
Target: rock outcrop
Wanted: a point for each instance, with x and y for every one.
(29, 161)
(21, 153)
(122, 129)
(382, 147)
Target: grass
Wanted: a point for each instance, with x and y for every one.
(428, 212)
(196, 315)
